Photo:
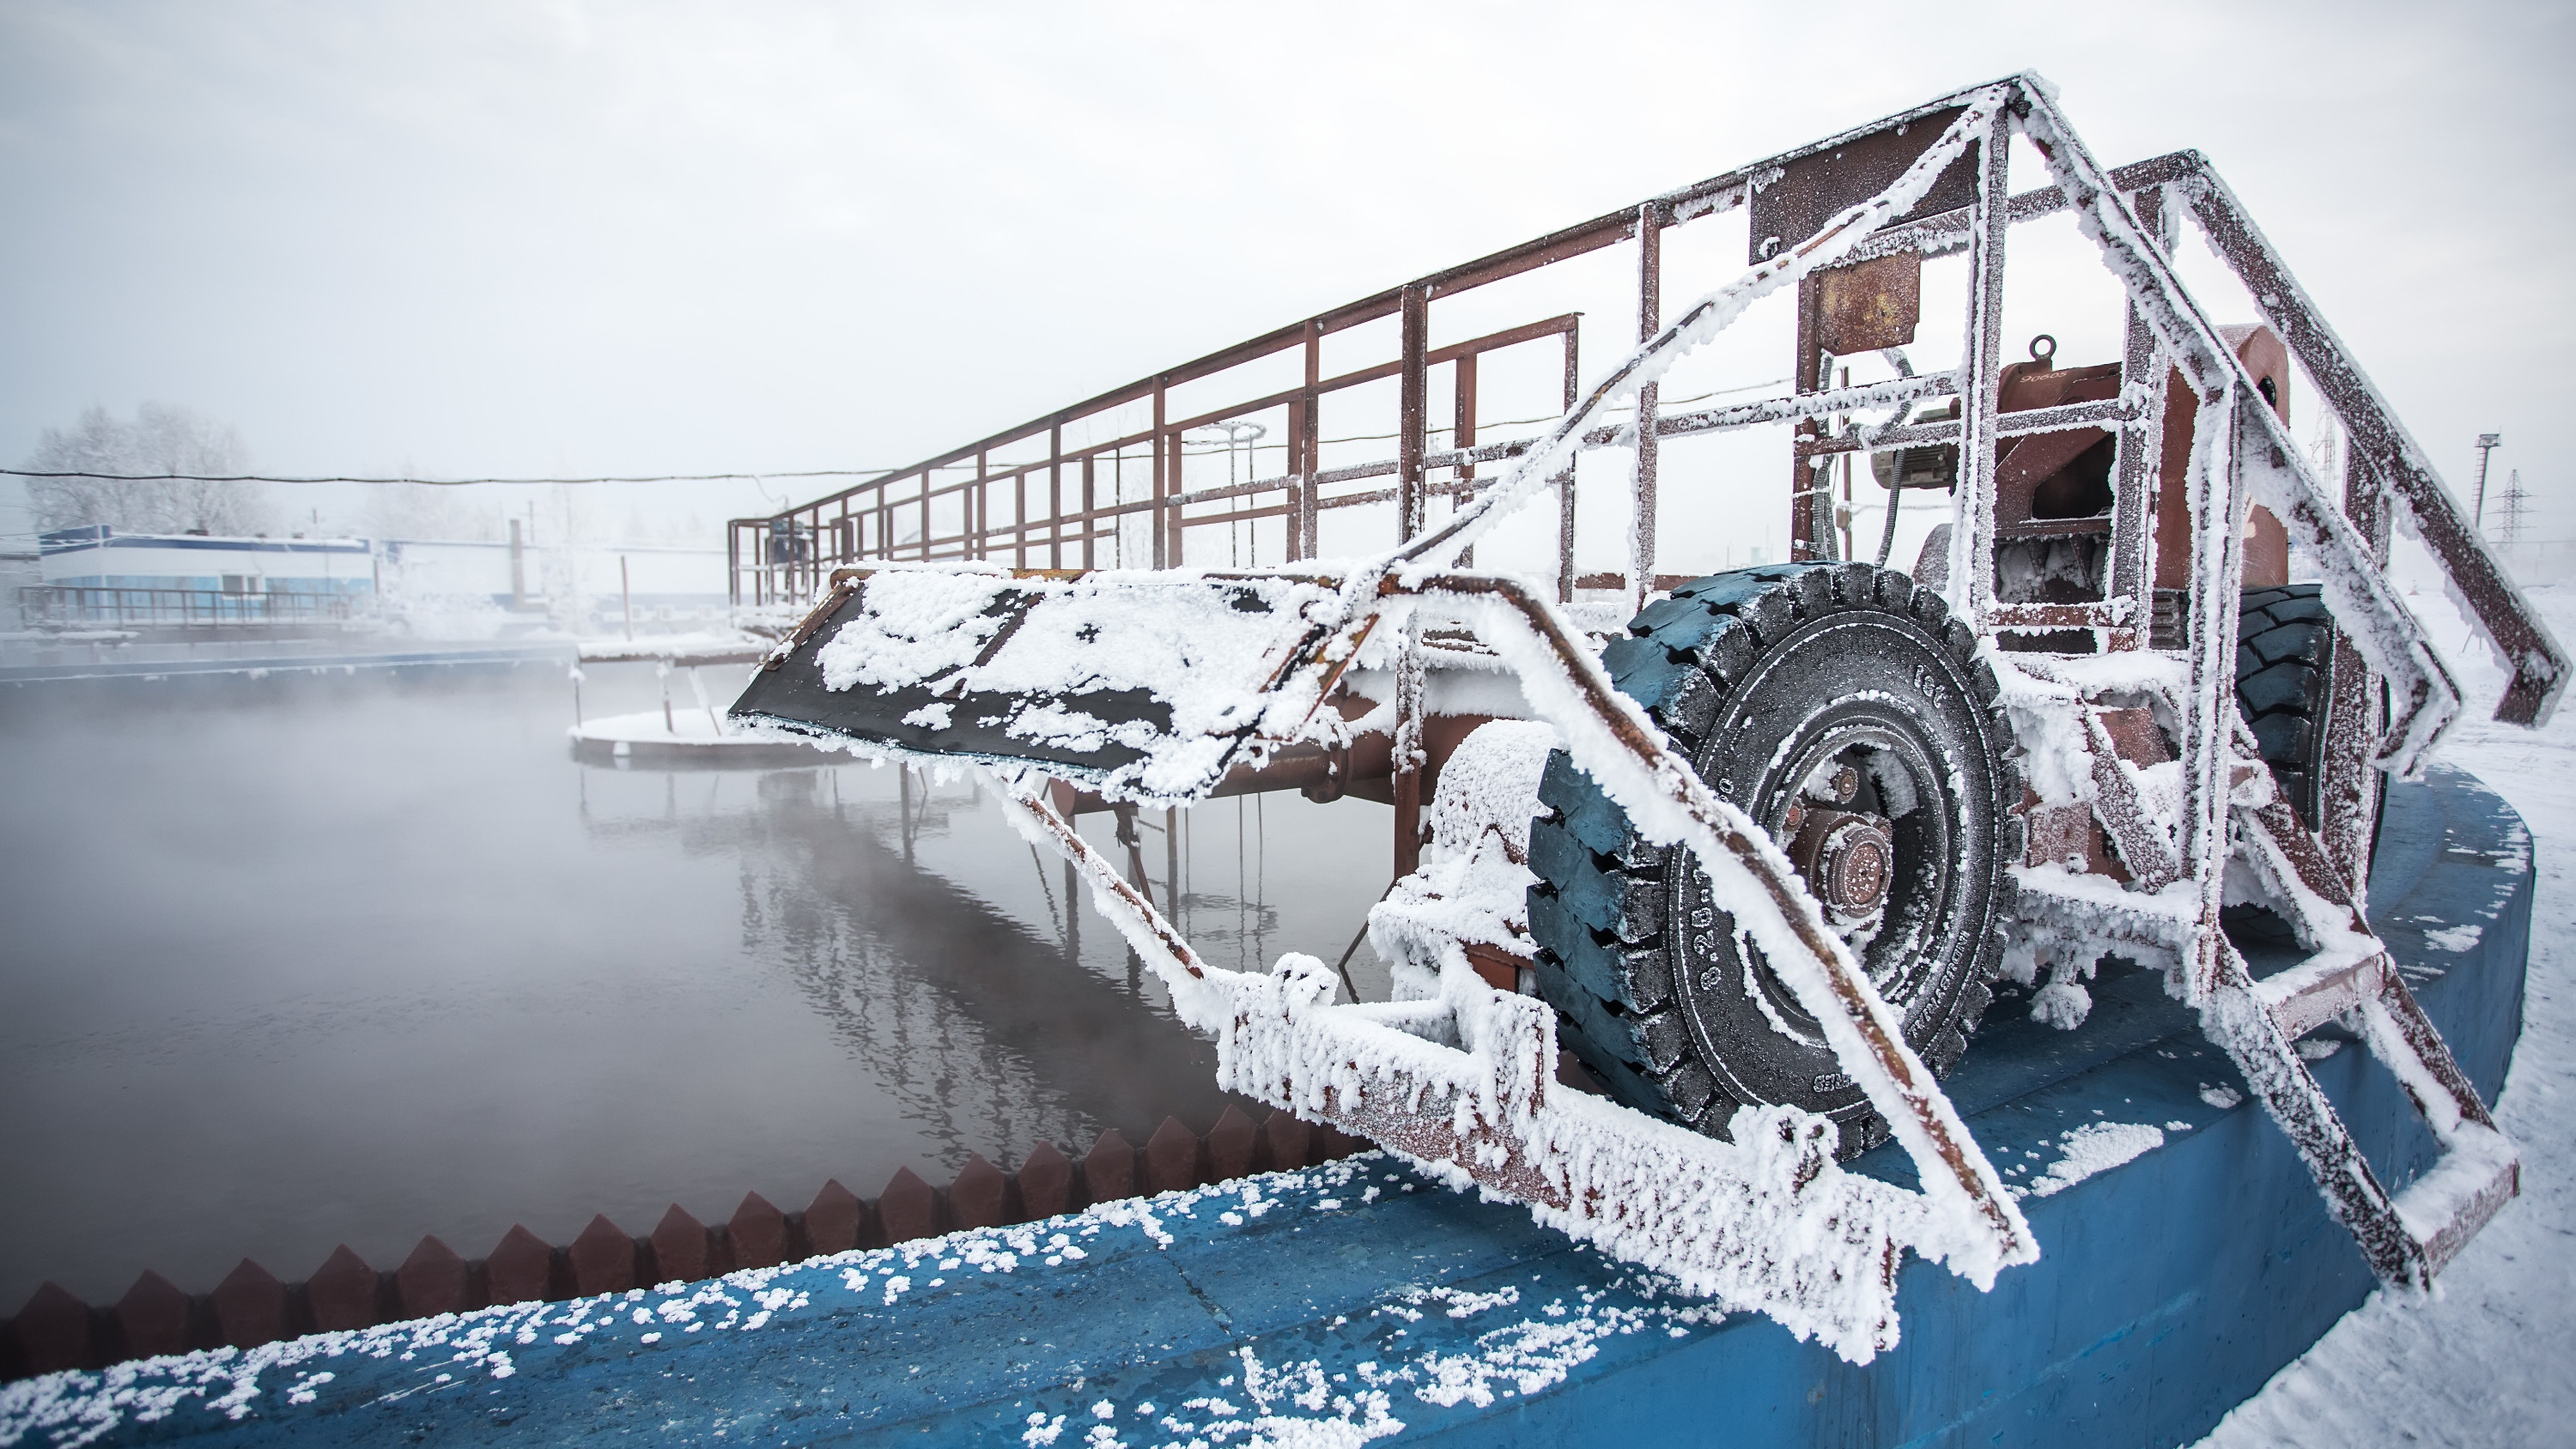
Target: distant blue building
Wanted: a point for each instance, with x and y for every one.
(99, 557)
(97, 576)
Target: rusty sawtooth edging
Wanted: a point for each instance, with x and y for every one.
(55, 1330)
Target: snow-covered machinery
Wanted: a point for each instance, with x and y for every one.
(1757, 857)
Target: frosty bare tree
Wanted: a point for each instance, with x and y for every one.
(424, 510)
(160, 438)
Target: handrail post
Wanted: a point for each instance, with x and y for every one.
(1641, 478)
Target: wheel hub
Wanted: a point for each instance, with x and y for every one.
(1849, 861)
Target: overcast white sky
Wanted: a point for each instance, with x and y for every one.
(516, 238)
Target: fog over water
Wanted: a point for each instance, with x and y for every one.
(291, 966)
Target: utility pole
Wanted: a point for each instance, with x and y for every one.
(2486, 444)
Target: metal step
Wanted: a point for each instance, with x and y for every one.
(2410, 1237)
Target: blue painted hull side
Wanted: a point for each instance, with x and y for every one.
(2170, 1289)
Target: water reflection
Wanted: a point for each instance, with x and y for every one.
(987, 1033)
(291, 967)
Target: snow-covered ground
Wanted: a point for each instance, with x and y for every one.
(2484, 1362)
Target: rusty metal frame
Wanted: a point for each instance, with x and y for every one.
(1604, 728)
(2240, 449)
(2383, 451)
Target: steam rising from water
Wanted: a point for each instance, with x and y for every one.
(359, 964)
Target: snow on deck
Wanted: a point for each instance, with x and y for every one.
(989, 1335)
(2484, 1363)
(1360, 1301)
(684, 725)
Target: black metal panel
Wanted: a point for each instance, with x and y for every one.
(792, 694)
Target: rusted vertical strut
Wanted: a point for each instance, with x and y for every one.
(1055, 497)
(1462, 435)
(2217, 490)
(2348, 795)
(1972, 554)
(978, 542)
(1565, 486)
(1412, 410)
(1807, 374)
(1166, 553)
(1090, 503)
(2140, 447)
(1641, 491)
(1314, 437)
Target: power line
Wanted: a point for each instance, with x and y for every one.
(448, 482)
(721, 477)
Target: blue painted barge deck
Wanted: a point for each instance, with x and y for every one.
(1360, 1301)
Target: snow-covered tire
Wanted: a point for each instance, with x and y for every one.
(1769, 679)
(2284, 677)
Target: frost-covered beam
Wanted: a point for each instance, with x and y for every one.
(1946, 232)
(1537, 469)
(2538, 665)
(2059, 419)
(1868, 397)
(1766, 1222)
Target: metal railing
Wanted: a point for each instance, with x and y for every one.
(1056, 508)
(80, 605)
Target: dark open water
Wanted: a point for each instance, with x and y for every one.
(285, 966)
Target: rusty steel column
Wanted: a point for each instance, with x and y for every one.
(1972, 545)
(1462, 436)
(979, 513)
(1295, 522)
(1312, 514)
(2140, 449)
(1166, 553)
(1641, 488)
(1806, 374)
(1090, 504)
(2348, 795)
(1411, 418)
(1565, 487)
(1412, 411)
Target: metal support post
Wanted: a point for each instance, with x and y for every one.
(1641, 488)
(1166, 547)
(1411, 415)
(2140, 447)
(1462, 434)
(1565, 487)
(1410, 500)
(2348, 795)
(1807, 374)
(1972, 552)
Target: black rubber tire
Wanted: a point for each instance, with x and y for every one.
(1761, 675)
(2284, 678)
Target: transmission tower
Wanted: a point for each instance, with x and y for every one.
(2511, 517)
